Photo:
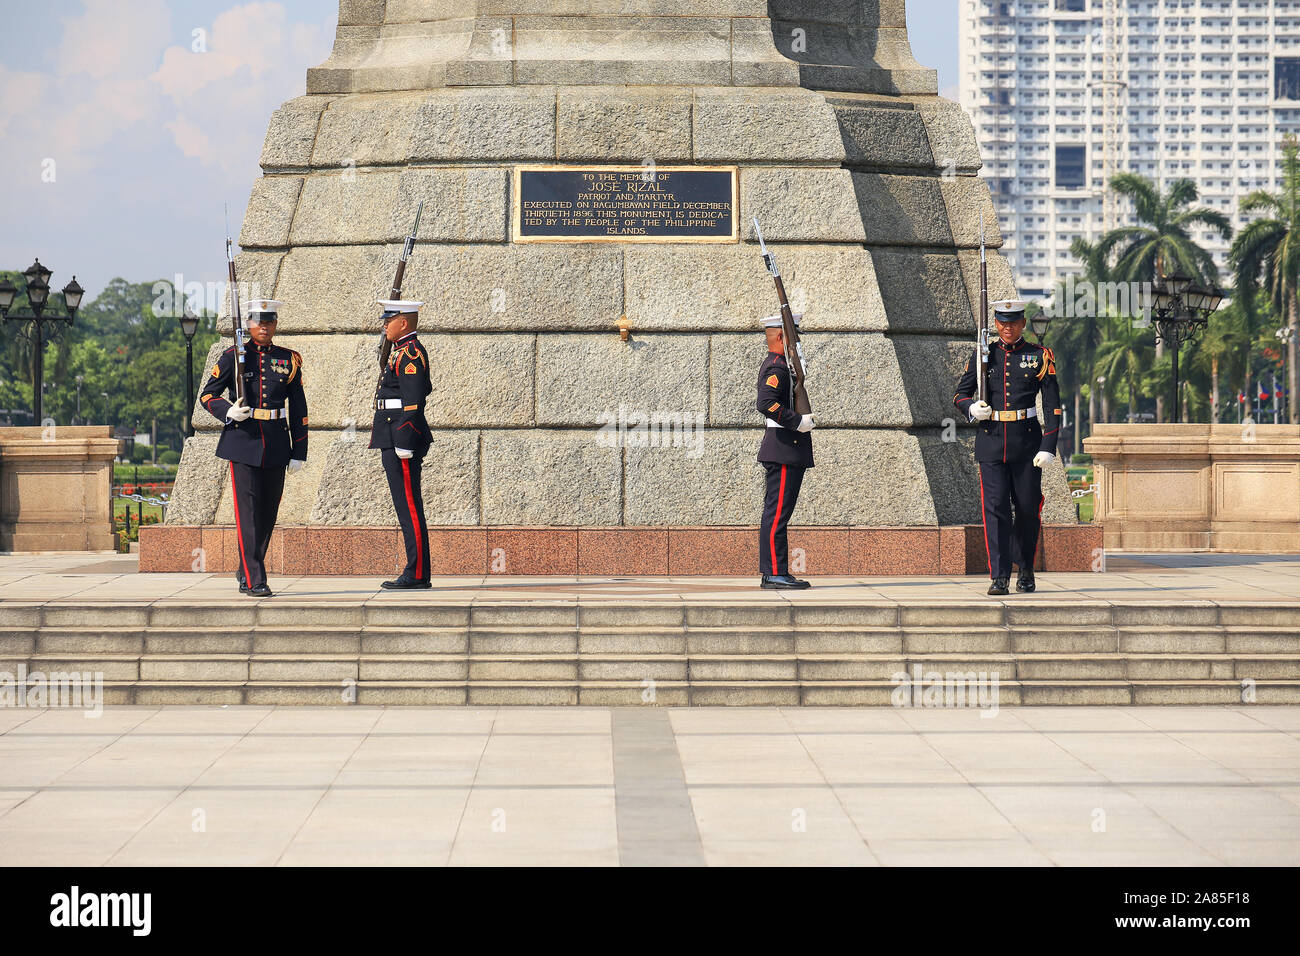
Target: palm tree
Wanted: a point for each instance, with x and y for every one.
(1160, 243)
(1123, 357)
(1075, 339)
(1271, 247)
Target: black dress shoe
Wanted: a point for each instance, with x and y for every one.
(783, 582)
(999, 586)
(1025, 582)
(406, 584)
(260, 591)
(243, 588)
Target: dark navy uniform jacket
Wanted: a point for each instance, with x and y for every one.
(785, 445)
(1017, 374)
(272, 380)
(405, 378)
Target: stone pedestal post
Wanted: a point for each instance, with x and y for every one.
(55, 485)
(1198, 487)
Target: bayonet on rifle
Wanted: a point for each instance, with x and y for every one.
(982, 333)
(236, 318)
(790, 334)
(385, 346)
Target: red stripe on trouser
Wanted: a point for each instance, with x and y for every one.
(988, 555)
(780, 503)
(1037, 532)
(239, 531)
(415, 519)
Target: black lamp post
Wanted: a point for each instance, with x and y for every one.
(1181, 310)
(38, 293)
(189, 326)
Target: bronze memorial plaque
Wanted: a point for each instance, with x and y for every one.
(626, 204)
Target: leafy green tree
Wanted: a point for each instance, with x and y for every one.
(1075, 338)
(1269, 247)
(1123, 357)
(129, 355)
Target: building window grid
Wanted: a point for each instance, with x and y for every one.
(1188, 124)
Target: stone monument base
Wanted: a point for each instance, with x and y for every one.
(327, 550)
(55, 485)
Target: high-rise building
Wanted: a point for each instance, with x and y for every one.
(1066, 93)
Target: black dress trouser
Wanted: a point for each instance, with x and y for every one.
(1007, 487)
(256, 493)
(404, 485)
(783, 482)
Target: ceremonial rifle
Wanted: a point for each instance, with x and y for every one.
(793, 353)
(385, 346)
(236, 318)
(982, 334)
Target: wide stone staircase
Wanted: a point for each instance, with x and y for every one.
(675, 653)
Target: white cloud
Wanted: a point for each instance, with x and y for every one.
(112, 38)
(149, 138)
(19, 93)
(254, 61)
(191, 140)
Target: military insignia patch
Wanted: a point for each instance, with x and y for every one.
(410, 368)
(216, 370)
(775, 406)
(773, 381)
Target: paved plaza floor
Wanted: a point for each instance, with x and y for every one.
(649, 785)
(1181, 578)
(594, 786)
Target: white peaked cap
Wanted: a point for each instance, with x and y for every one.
(262, 305)
(1009, 307)
(400, 305)
(774, 321)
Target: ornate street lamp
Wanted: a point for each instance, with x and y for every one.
(1181, 310)
(189, 326)
(1040, 322)
(37, 279)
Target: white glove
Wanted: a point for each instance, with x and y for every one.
(981, 411)
(295, 465)
(239, 412)
(1042, 458)
(403, 452)
(807, 423)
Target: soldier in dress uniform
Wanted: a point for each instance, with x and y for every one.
(263, 435)
(401, 432)
(786, 452)
(1011, 447)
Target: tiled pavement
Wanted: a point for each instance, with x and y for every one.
(1188, 578)
(460, 786)
(260, 785)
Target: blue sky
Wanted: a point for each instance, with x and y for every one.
(119, 145)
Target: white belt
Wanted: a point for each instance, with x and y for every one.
(270, 414)
(385, 403)
(772, 424)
